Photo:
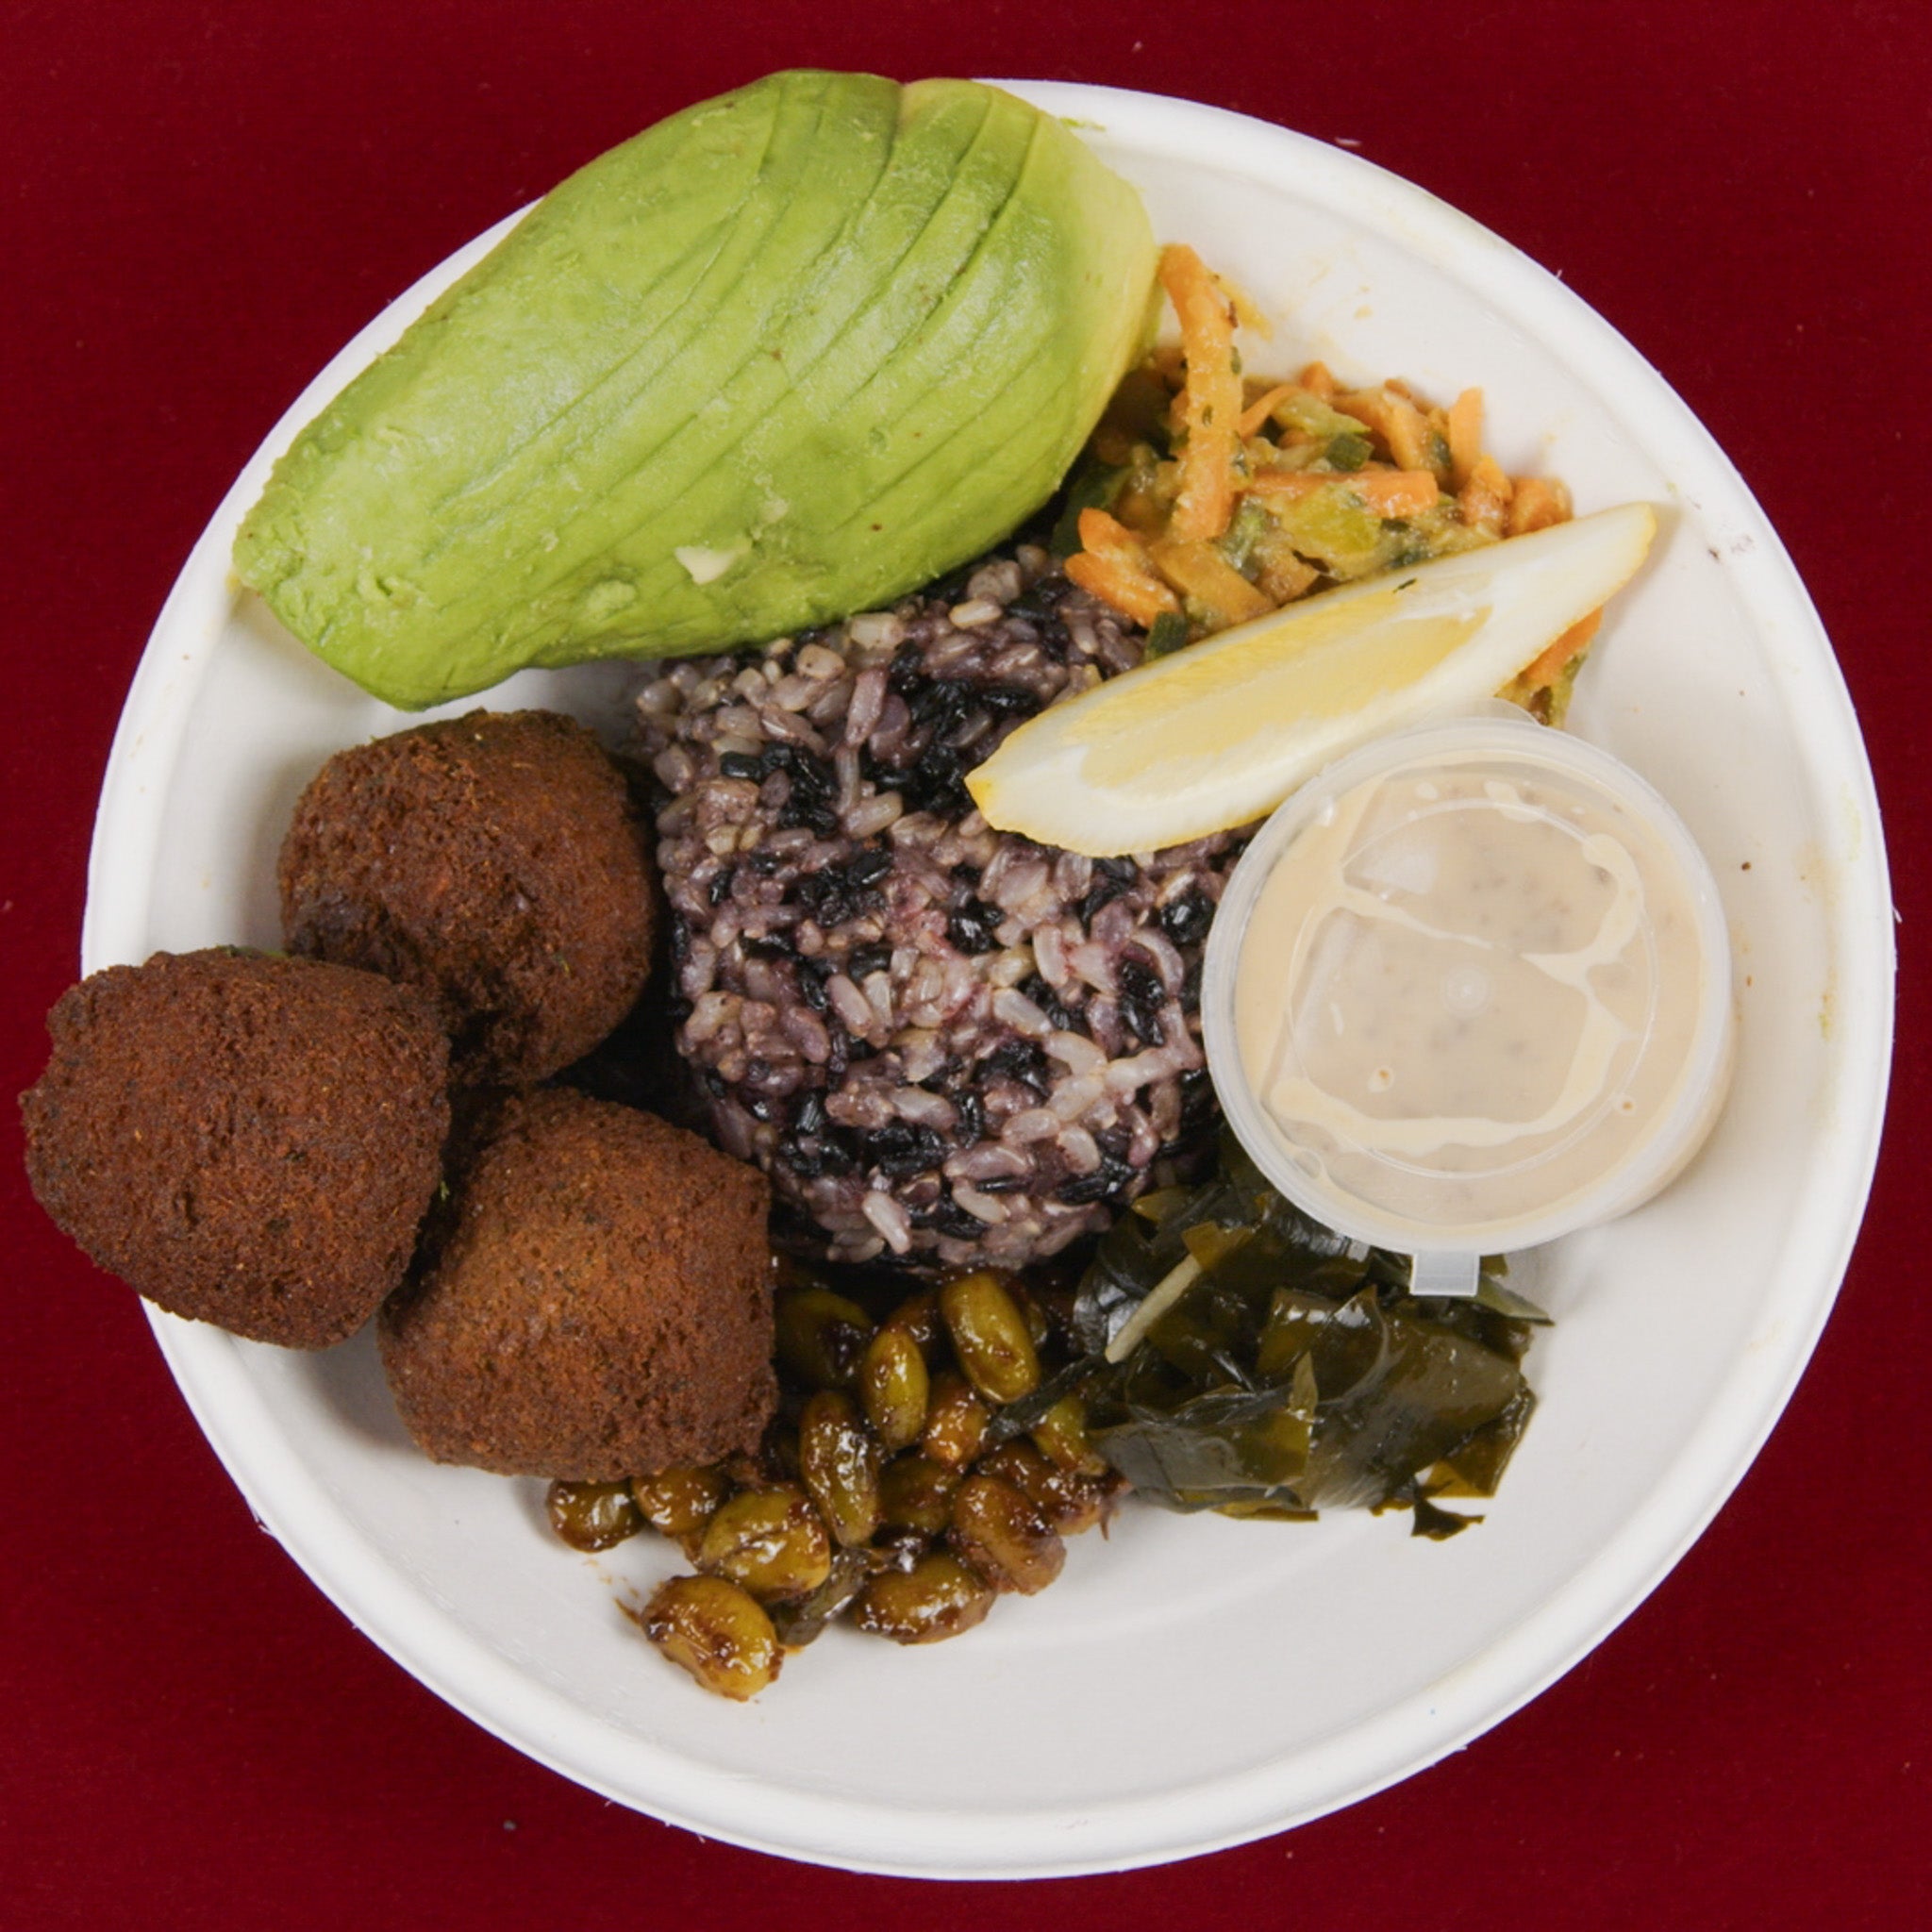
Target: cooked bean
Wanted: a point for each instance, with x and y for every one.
(939, 1597)
(771, 1541)
(875, 1493)
(1032, 1310)
(916, 1493)
(678, 1503)
(1070, 1501)
(895, 1385)
(897, 1549)
(802, 1622)
(1060, 1436)
(716, 1632)
(990, 1336)
(1003, 1537)
(593, 1516)
(918, 1316)
(956, 1421)
(821, 1337)
(839, 1463)
(1017, 1461)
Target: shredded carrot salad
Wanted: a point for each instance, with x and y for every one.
(1210, 498)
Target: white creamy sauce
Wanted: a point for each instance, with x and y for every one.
(1469, 992)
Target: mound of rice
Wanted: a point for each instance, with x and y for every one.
(945, 1043)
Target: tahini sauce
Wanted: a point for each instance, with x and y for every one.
(1469, 991)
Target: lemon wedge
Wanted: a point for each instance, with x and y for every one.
(1219, 734)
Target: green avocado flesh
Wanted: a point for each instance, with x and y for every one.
(783, 357)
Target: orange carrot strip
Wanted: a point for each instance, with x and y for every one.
(1142, 599)
(1465, 436)
(1283, 577)
(1538, 502)
(1483, 502)
(1210, 405)
(1113, 565)
(1107, 536)
(1396, 492)
(1408, 436)
(1199, 571)
(1291, 486)
(1388, 492)
(1395, 421)
(1260, 408)
(1555, 659)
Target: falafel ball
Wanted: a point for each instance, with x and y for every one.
(600, 1303)
(494, 860)
(246, 1140)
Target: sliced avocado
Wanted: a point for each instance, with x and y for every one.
(791, 353)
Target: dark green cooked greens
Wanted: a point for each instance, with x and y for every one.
(1290, 1369)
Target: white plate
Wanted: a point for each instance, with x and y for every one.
(1193, 1682)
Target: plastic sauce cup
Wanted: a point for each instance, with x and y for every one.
(1468, 990)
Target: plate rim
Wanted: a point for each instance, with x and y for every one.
(211, 1367)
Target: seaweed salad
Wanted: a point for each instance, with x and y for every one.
(1239, 1356)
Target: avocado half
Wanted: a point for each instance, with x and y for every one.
(783, 357)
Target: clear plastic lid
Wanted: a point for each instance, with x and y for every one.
(1469, 990)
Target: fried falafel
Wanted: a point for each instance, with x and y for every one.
(244, 1139)
(494, 860)
(599, 1304)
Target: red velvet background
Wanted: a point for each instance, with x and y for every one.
(199, 202)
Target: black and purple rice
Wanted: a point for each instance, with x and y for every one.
(945, 1043)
